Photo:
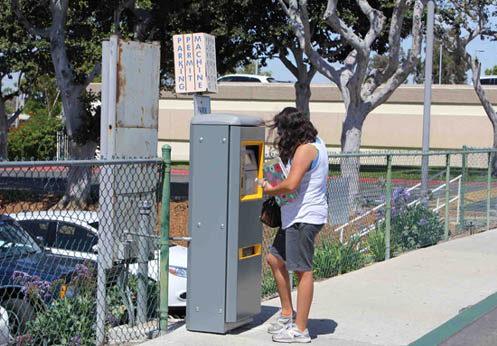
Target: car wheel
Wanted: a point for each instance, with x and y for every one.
(20, 312)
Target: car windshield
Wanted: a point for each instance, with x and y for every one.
(14, 240)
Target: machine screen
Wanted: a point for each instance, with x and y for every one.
(250, 171)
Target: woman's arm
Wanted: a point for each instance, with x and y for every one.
(302, 160)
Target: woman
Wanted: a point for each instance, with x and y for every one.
(306, 158)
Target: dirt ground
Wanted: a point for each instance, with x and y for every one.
(178, 219)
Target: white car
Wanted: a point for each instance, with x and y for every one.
(75, 233)
(5, 337)
(253, 78)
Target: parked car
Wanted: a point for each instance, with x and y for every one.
(20, 254)
(5, 337)
(76, 233)
(254, 78)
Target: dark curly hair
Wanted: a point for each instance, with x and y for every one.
(293, 128)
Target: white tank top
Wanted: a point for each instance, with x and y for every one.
(311, 205)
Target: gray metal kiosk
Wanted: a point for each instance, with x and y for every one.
(224, 255)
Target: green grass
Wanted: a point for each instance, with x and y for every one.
(180, 165)
(398, 172)
(413, 172)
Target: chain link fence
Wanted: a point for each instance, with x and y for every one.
(380, 207)
(79, 251)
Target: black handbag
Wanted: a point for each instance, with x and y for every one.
(271, 213)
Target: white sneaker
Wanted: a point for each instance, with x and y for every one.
(292, 335)
(281, 323)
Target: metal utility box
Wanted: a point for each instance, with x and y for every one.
(128, 128)
(224, 255)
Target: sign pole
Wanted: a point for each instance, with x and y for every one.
(201, 104)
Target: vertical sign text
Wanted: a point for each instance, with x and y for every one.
(195, 63)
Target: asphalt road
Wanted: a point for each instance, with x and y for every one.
(480, 332)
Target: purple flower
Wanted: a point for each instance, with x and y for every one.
(422, 222)
(112, 320)
(75, 341)
(20, 277)
(32, 285)
(379, 215)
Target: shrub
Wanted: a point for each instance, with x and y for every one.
(268, 283)
(417, 227)
(35, 138)
(70, 320)
(332, 258)
(376, 244)
(412, 226)
(64, 322)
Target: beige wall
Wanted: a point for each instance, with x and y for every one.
(457, 118)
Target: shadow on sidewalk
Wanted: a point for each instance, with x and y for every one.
(266, 313)
(321, 326)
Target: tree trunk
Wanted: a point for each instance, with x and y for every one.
(350, 166)
(73, 108)
(303, 96)
(4, 130)
(77, 194)
(487, 105)
(494, 155)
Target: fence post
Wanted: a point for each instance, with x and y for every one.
(489, 186)
(463, 189)
(164, 239)
(388, 206)
(447, 195)
(143, 254)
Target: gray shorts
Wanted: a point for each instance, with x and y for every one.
(295, 246)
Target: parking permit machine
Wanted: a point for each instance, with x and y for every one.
(224, 255)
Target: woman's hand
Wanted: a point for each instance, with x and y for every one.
(304, 155)
(267, 188)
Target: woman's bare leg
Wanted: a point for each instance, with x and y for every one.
(282, 279)
(305, 292)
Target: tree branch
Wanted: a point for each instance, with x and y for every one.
(93, 74)
(394, 39)
(11, 95)
(14, 116)
(376, 77)
(376, 96)
(331, 18)
(55, 99)
(143, 17)
(300, 27)
(376, 21)
(117, 16)
(487, 105)
(297, 26)
(45, 33)
(288, 64)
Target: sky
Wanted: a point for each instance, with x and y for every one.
(486, 51)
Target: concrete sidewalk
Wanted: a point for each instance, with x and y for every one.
(390, 303)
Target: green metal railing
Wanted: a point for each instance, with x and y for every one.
(388, 213)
